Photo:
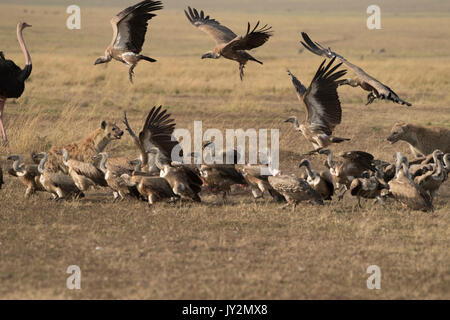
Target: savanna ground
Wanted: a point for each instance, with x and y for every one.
(239, 250)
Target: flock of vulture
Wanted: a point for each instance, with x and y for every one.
(69, 171)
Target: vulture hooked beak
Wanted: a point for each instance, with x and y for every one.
(291, 120)
(98, 61)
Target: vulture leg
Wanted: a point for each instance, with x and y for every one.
(2, 127)
(131, 72)
(241, 71)
(380, 201)
(285, 205)
(294, 205)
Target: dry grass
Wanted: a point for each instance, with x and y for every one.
(239, 250)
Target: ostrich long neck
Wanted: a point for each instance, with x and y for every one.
(23, 46)
(27, 70)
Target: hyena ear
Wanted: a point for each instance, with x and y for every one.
(103, 124)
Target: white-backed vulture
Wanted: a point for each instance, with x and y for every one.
(184, 180)
(113, 177)
(294, 189)
(321, 182)
(220, 177)
(406, 191)
(369, 187)
(60, 185)
(431, 180)
(377, 89)
(153, 189)
(129, 29)
(385, 169)
(228, 44)
(352, 166)
(323, 108)
(157, 140)
(258, 182)
(28, 174)
(85, 175)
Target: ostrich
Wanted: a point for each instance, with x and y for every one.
(12, 78)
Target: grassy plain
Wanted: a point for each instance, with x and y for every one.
(240, 250)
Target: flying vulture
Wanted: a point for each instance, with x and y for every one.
(228, 44)
(323, 108)
(377, 89)
(129, 29)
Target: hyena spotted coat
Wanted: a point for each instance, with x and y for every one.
(422, 140)
(85, 149)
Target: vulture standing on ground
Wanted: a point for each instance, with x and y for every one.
(294, 189)
(60, 185)
(353, 165)
(12, 78)
(156, 139)
(129, 29)
(28, 174)
(321, 182)
(228, 44)
(377, 89)
(258, 182)
(369, 187)
(85, 175)
(405, 190)
(432, 180)
(152, 188)
(323, 108)
(113, 174)
(220, 177)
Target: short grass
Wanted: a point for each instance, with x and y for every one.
(238, 250)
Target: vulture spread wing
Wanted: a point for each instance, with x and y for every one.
(322, 100)
(252, 39)
(218, 32)
(130, 25)
(300, 89)
(362, 76)
(157, 132)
